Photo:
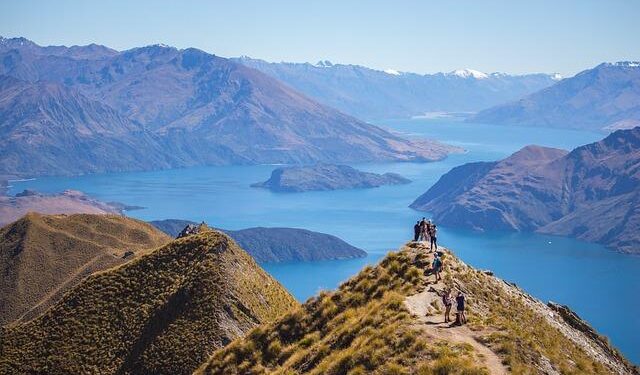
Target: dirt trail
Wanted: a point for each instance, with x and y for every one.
(432, 324)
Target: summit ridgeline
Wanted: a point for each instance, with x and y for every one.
(163, 313)
(388, 319)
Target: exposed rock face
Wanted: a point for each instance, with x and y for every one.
(374, 94)
(605, 97)
(278, 244)
(592, 192)
(67, 202)
(43, 257)
(158, 107)
(165, 312)
(326, 177)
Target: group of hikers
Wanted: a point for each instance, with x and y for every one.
(425, 230)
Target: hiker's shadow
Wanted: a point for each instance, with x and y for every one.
(443, 324)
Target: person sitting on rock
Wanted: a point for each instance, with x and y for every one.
(460, 317)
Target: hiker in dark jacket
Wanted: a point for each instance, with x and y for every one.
(423, 229)
(434, 239)
(460, 317)
(416, 231)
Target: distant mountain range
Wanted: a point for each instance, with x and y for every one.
(84, 109)
(591, 193)
(374, 94)
(606, 97)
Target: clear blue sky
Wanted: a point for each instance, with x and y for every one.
(420, 36)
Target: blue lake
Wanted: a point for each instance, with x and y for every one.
(601, 285)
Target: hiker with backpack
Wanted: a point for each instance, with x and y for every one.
(460, 317)
(447, 301)
(437, 267)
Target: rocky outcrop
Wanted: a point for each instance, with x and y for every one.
(326, 177)
(591, 193)
(273, 245)
(605, 97)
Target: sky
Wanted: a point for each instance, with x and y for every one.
(559, 36)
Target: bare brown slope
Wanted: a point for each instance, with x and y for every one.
(162, 313)
(42, 257)
(67, 202)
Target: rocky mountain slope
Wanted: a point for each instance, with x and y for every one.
(388, 320)
(605, 97)
(49, 128)
(374, 94)
(162, 313)
(157, 107)
(271, 245)
(591, 193)
(42, 257)
(67, 202)
(326, 177)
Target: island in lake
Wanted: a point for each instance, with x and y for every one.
(326, 177)
(272, 245)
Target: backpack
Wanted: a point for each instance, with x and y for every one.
(437, 263)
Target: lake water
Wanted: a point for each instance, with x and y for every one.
(602, 286)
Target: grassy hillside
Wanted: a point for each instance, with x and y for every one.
(162, 313)
(387, 320)
(42, 257)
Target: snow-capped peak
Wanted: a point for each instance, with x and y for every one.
(392, 72)
(469, 73)
(628, 64)
(324, 64)
(556, 76)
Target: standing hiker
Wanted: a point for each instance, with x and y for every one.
(416, 231)
(447, 301)
(434, 239)
(437, 267)
(423, 229)
(460, 317)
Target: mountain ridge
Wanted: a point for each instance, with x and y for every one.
(182, 108)
(590, 193)
(602, 98)
(375, 94)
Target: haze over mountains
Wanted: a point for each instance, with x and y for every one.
(606, 97)
(591, 193)
(91, 109)
(373, 94)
